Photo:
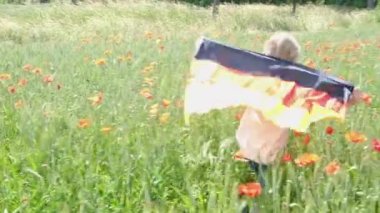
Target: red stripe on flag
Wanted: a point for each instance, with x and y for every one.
(290, 98)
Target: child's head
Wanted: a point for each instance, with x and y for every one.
(282, 45)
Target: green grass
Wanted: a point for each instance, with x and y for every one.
(48, 164)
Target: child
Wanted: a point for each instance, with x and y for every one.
(259, 139)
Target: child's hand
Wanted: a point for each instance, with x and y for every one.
(359, 96)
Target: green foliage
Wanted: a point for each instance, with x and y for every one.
(377, 14)
(352, 3)
(207, 3)
(48, 164)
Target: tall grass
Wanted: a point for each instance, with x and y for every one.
(148, 164)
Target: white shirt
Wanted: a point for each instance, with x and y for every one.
(259, 139)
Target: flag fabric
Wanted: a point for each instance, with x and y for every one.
(289, 94)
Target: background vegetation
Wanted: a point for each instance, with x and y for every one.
(91, 117)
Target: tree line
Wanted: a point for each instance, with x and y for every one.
(348, 3)
(205, 3)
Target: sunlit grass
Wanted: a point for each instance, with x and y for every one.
(100, 126)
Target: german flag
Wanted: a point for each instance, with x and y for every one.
(289, 94)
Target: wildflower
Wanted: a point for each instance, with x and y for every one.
(129, 56)
(116, 38)
(332, 168)
(37, 71)
(179, 103)
(107, 52)
(84, 123)
(251, 190)
(164, 118)
(239, 156)
(120, 59)
(148, 81)
(146, 93)
(147, 69)
(310, 63)
(27, 67)
(355, 137)
(306, 159)
(101, 62)
(22, 82)
(153, 110)
(19, 104)
(97, 99)
(376, 145)
(308, 45)
(5, 76)
(148, 35)
(287, 158)
(161, 47)
(297, 134)
(165, 103)
(327, 58)
(106, 130)
(47, 79)
(326, 46)
(329, 130)
(12, 89)
(306, 139)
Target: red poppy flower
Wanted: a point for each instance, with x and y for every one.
(376, 145)
(48, 79)
(329, 130)
(306, 139)
(27, 67)
(12, 89)
(22, 82)
(286, 158)
(165, 103)
(251, 190)
(84, 123)
(297, 134)
(97, 99)
(332, 168)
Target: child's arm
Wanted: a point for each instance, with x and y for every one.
(357, 97)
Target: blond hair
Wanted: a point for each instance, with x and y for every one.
(282, 45)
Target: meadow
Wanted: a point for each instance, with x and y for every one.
(91, 110)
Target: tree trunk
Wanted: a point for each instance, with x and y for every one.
(371, 4)
(215, 7)
(294, 7)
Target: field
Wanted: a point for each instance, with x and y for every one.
(91, 110)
